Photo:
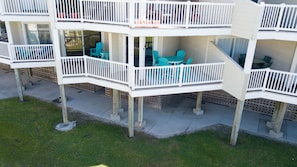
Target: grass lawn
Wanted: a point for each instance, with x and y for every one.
(28, 138)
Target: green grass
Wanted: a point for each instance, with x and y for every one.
(28, 138)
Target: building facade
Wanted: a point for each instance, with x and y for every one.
(240, 48)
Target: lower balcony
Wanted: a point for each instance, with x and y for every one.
(30, 56)
(273, 85)
(142, 81)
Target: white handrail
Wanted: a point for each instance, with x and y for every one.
(30, 7)
(273, 81)
(146, 13)
(149, 77)
(279, 17)
(23, 53)
(143, 77)
(4, 47)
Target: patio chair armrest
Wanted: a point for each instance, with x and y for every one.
(92, 50)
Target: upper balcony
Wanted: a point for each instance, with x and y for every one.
(264, 21)
(280, 17)
(24, 10)
(24, 7)
(145, 14)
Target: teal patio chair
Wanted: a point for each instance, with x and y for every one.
(180, 54)
(95, 52)
(189, 61)
(241, 59)
(163, 62)
(155, 57)
(268, 61)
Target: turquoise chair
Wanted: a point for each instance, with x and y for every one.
(104, 55)
(180, 54)
(268, 61)
(189, 61)
(156, 57)
(163, 62)
(95, 52)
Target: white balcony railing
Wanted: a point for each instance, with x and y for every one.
(28, 7)
(273, 81)
(146, 13)
(279, 17)
(142, 77)
(32, 53)
(4, 51)
(182, 75)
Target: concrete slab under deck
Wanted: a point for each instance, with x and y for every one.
(174, 119)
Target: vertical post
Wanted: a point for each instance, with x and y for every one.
(181, 76)
(188, 17)
(140, 123)
(130, 116)
(131, 60)
(141, 55)
(19, 84)
(270, 124)
(277, 124)
(64, 105)
(266, 79)
(198, 110)
(115, 105)
(250, 55)
(131, 13)
(236, 122)
(81, 10)
(280, 118)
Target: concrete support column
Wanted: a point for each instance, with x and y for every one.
(19, 84)
(236, 122)
(270, 124)
(140, 122)
(66, 125)
(198, 110)
(131, 116)
(278, 119)
(63, 102)
(116, 104)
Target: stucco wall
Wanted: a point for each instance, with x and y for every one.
(282, 52)
(235, 80)
(196, 47)
(169, 46)
(246, 19)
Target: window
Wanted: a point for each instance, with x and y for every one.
(3, 33)
(38, 34)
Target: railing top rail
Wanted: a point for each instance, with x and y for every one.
(278, 5)
(32, 45)
(273, 71)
